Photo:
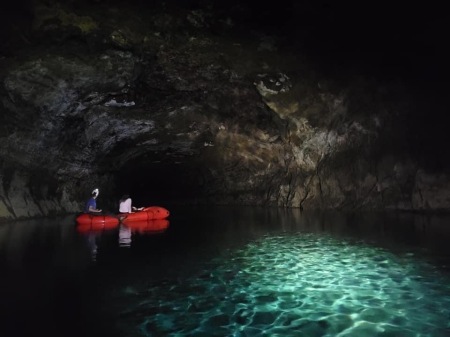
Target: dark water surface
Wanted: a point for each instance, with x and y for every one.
(229, 272)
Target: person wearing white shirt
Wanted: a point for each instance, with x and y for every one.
(125, 205)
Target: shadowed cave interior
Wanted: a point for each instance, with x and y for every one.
(156, 183)
(294, 104)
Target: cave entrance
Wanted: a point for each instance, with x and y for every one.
(160, 183)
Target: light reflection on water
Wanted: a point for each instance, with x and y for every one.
(124, 236)
(232, 272)
(296, 285)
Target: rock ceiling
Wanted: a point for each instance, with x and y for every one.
(201, 105)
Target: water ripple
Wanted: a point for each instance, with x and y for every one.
(298, 285)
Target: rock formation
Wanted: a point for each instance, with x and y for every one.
(189, 104)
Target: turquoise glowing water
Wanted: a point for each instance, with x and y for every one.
(296, 285)
(245, 272)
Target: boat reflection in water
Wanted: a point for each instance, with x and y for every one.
(148, 226)
(124, 236)
(144, 227)
(94, 232)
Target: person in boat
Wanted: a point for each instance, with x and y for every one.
(125, 205)
(91, 204)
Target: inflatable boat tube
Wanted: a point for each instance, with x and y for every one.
(148, 213)
(97, 220)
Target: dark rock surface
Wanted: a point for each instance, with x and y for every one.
(228, 103)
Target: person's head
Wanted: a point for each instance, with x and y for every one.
(124, 197)
(95, 193)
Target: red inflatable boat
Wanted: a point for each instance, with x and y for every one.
(148, 226)
(97, 221)
(148, 213)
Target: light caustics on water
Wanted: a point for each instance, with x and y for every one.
(302, 285)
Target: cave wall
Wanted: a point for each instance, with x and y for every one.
(85, 94)
(26, 194)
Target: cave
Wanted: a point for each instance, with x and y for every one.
(152, 183)
(298, 151)
(231, 103)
